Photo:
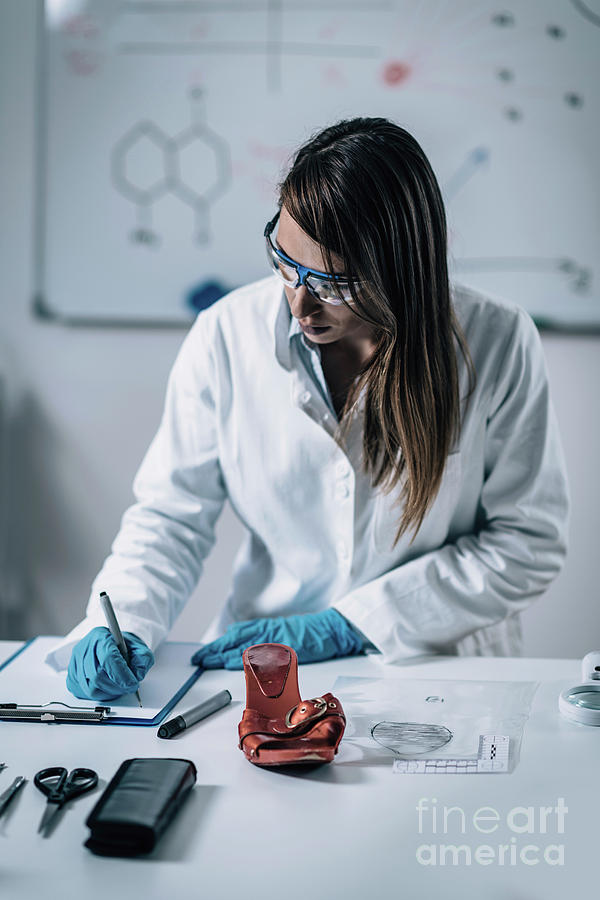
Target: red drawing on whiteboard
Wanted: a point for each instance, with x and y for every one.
(266, 151)
(396, 72)
(333, 76)
(199, 30)
(329, 30)
(83, 62)
(81, 26)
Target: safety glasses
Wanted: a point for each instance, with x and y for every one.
(334, 289)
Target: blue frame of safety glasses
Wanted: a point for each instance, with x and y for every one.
(303, 271)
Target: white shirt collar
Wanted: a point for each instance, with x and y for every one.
(287, 328)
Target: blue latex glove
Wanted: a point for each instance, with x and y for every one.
(97, 671)
(314, 637)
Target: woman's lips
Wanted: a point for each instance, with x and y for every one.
(313, 329)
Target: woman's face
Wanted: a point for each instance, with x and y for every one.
(322, 323)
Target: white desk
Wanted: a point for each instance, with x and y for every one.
(337, 831)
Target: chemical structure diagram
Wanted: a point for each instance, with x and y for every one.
(194, 166)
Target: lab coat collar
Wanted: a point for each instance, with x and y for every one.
(287, 329)
(282, 332)
(296, 332)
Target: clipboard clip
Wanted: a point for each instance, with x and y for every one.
(41, 713)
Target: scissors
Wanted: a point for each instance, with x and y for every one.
(59, 787)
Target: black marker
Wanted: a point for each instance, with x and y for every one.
(180, 723)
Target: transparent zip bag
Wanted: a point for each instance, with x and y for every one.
(391, 719)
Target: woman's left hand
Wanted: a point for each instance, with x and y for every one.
(314, 637)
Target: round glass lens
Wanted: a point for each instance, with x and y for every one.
(586, 699)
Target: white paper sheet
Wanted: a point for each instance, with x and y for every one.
(28, 679)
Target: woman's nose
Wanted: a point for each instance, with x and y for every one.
(302, 303)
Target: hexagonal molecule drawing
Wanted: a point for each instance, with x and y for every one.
(194, 166)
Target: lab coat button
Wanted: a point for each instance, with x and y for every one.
(342, 469)
(342, 491)
(305, 397)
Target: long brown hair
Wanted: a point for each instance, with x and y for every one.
(364, 190)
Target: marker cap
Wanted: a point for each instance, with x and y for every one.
(169, 729)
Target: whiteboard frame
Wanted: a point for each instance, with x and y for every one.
(41, 305)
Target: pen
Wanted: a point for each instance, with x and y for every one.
(180, 723)
(116, 631)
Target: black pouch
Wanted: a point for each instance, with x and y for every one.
(138, 804)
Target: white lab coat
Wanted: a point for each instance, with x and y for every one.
(248, 417)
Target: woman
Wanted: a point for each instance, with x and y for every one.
(388, 442)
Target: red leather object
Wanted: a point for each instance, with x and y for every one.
(278, 727)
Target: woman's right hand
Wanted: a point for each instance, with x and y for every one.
(97, 671)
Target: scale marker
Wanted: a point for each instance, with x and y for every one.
(492, 756)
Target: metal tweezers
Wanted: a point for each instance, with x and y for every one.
(10, 792)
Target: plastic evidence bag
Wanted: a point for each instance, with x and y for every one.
(393, 718)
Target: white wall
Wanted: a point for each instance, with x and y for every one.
(84, 404)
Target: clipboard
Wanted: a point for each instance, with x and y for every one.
(29, 684)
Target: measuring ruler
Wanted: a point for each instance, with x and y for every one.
(492, 756)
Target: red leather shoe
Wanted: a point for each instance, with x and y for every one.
(278, 727)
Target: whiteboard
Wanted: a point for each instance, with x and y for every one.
(164, 127)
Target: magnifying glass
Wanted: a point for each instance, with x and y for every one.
(581, 703)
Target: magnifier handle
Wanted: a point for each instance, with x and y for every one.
(590, 666)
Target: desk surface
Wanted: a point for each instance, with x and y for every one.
(340, 830)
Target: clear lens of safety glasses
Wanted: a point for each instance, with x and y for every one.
(321, 288)
(288, 274)
(327, 293)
